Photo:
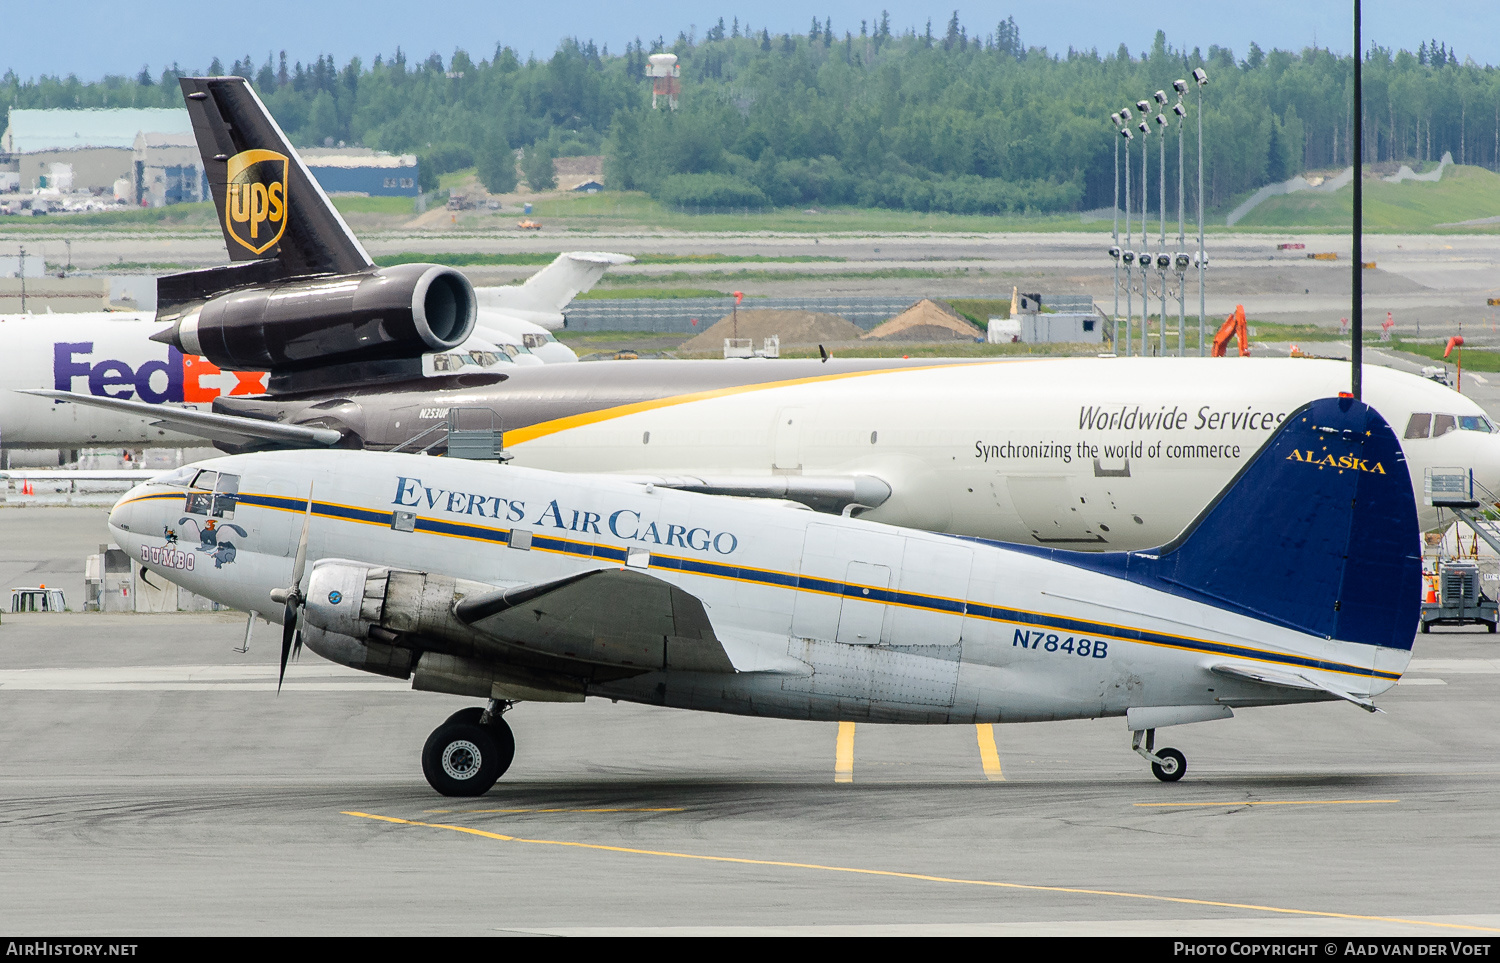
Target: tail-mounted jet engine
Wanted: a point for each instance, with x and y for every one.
(298, 324)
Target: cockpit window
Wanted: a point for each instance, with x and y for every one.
(1420, 425)
(226, 496)
(1442, 424)
(205, 480)
(1475, 423)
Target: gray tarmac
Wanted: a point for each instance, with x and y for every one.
(153, 782)
(1431, 284)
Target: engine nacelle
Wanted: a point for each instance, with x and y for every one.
(362, 654)
(386, 314)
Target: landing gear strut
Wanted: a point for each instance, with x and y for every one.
(469, 751)
(1168, 765)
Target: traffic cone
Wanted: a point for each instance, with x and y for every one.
(26, 488)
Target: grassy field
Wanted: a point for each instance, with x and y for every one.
(469, 259)
(663, 293)
(1474, 359)
(1464, 193)
(615, 209)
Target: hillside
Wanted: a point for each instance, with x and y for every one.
(1465, 193)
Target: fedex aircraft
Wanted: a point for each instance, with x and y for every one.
(111, 355)
(1298, 583)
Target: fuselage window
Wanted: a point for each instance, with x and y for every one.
(1442, 424)
(1420, 425)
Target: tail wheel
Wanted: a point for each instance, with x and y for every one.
(464, 759)
(1172, 766)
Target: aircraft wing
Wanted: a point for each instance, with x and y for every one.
(613, 616)
(829, 493)
(1292, 680)
(230, 429)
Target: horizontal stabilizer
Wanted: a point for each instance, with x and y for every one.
(1293, 680)
(229, 429)
(829, 493)
(613, 617)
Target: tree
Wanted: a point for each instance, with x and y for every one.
(537, 166)
(497, 165)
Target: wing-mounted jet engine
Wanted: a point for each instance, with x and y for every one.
(302, 299)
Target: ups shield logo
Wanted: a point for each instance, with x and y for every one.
(255, 210)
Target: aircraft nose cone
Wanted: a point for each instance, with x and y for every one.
(124, 516)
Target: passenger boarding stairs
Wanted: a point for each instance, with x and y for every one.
(1456, 490)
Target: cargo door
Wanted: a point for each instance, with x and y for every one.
(843, 584)
(929, 602)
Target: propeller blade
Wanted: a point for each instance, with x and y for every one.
(301, 559)
(289, 620)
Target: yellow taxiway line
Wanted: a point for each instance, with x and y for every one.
(1271, 802)
(923, 877)
(989, 756)
(843, 754)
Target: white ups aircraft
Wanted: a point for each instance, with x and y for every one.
(1298, 583)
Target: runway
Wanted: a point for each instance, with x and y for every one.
(154, 783)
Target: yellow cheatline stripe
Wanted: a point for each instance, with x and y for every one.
(989, 756)
(519, 436)
(843, 755)
(925, 877)
(1273, 802)
(661, 809)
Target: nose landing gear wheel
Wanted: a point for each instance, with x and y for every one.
(463, 758)
(1172, 766)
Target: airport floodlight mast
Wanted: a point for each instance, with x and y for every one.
(1357, 309)
(1201, 78)
(1163, 260)
(1181, 259)
(1129, 255)
(1144, 260)
(1114, 248)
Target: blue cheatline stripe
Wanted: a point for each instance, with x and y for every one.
(758, 576)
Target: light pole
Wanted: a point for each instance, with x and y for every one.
(1357, 314)
(1128, 255)
(1145, 255)
(1180, 86)
(1162, 258)
(1201, 78)
(1114, 248)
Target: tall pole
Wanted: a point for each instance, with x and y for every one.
(1201, 79)
(1181, 239)
(1357, 310)
(1129, 281)
(23, 280)
(1145, 258)
(1116, 248)
(1161, 215)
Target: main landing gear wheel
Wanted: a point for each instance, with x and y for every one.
(1172, 766)
(463, 758)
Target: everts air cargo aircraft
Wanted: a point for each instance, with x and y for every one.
(567, 586)
(1097, 454)
(111, 355)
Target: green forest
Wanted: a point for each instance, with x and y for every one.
(945, 119)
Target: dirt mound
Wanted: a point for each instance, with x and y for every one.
(927, 320)
(793, 327)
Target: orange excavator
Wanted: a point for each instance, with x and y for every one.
(1233, 326)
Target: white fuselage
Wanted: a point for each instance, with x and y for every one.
(1082, 453)
(104, 354)
(962, 631)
